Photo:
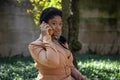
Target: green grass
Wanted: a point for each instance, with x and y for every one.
(95, 67)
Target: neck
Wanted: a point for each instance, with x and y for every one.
(55, 37)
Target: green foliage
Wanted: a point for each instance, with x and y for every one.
(17, 68)
(99, 67)
(95, 67)
(19, 1)
(39, 5)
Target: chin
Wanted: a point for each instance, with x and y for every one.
(57, 36)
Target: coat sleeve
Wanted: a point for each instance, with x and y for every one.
(44, 53)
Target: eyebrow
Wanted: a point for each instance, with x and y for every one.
(55, 21)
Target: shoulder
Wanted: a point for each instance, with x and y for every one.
(35, 43)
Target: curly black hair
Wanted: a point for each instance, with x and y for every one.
(49, 13)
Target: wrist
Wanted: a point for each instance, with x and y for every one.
(45, 38)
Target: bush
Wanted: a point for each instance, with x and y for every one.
(17, 68)
(99, 67)
(95, 67)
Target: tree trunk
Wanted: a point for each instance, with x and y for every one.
(74, 44)
(71, 25)
(66, 13)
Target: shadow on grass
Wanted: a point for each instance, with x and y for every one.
(85, 57)
(16, 58)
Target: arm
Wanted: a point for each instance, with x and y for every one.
(45, 52)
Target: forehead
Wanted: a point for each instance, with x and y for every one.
(56, 18)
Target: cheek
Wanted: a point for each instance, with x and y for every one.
(54, 27)
(60, 27)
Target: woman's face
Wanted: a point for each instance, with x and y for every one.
(56, 24)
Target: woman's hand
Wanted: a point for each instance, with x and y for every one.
(81, 77)
(77, 75)
(46, 32)
(46, 29)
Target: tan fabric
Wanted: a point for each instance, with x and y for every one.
(51, 59)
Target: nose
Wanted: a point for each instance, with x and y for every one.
(59, 27)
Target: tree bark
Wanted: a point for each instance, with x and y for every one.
(66, 13)
(74, 19)
(71, 25)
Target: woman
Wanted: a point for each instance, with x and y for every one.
(50, 51)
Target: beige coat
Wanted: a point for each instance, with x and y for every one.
(52, 60)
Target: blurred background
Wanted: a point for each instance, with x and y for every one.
(95, 24)
(92, 28)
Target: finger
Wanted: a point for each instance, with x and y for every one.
(47, 26)
(42, 25)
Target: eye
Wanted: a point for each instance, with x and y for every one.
(60, 24)
(54, 23)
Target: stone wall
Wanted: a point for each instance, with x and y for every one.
(17, 29)
(100, 26)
